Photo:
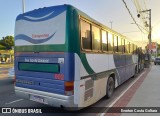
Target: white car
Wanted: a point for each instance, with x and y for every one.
(11, 72)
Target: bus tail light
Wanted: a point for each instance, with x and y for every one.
(69, 88)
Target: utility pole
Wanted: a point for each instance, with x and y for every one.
(111, 23)
(150, 32)
(23, 6)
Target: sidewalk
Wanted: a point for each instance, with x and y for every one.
(141, 96)
(148, 94)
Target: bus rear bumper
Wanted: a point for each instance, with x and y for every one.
(56, 100)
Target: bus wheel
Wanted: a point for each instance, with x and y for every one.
(135, 72)
(110, 87)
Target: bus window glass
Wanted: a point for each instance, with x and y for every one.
(126, 46)
(95, 38)
(104, 40)
(85, 35)
(119, 44)
(110, 42)
(134, 48)
(115, 44)
(131, 48)
(123, 46)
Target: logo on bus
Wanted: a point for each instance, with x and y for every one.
(40, 35)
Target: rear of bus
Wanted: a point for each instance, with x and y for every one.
(44, 68)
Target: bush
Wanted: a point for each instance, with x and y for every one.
(2, 47)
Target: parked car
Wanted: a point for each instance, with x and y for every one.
(157, 61)
(11, 72)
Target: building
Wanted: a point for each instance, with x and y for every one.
(153, 49)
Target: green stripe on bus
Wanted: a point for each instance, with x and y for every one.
(41, 48)
(50, 68)
(86, 64)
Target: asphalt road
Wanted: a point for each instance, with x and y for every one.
(9, 99)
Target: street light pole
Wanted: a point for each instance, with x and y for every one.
(149, 35)
(111, 23)
(150, 30)
(23, 6)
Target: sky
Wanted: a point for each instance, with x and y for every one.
(104, 11)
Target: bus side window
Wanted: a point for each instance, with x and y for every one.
(96, 40)
(131, 48)
(127, 46)
(115, 44)
(119, 45)
(123, 46)
(110, 42)
(104, 40)
(134, 49)
(85, 35)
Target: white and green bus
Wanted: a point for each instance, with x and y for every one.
(64, 58)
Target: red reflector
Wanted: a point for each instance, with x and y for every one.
(59, 76)
(68, 88)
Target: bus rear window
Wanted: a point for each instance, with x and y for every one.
(39, 67)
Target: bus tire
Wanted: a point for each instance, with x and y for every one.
(135, 72)
(110, 87)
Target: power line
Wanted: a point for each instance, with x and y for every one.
(140, 8)
(132, 16)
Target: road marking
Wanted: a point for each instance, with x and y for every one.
(102, 114)
(14, 101)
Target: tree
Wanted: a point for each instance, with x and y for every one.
(2, 47)
(158, 47)
(7, 42)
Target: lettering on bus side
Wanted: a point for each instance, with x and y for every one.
(39, 60)
(40, 36)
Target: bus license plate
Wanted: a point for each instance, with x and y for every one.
(37, 98)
